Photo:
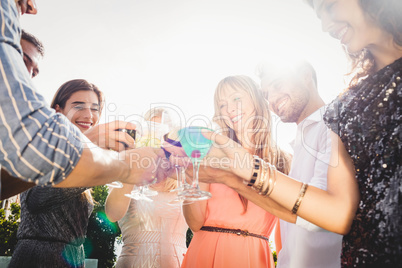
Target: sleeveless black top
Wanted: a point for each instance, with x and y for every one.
(368, 118)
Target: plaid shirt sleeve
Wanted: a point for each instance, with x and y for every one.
(36, 144)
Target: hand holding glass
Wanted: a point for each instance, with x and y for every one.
(131, 132)
(151, 137)
(196, 147)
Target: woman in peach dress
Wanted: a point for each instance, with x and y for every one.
(230, 231)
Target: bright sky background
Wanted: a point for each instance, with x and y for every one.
(176, 51)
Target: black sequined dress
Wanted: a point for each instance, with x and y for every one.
(368, 118)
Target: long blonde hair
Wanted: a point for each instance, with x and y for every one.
(262, 143)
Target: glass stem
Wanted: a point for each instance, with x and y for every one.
(196, 168)
(183, 177)
(179, 177)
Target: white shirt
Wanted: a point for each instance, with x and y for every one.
(305, 244)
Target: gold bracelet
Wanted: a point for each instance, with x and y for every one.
(267, 189)
(263, 177)
(274, 179)
(303, 190)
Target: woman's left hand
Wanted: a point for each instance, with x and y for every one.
(226, 159)
(208, 174)
(228, 155)
(108, 136)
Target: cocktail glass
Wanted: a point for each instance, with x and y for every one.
(132, 133)
(151, 136)
(196, 147)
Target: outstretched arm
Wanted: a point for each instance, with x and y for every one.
(39, 146)
(208, 174)
(332, 209)
(110, 136)
(117, 203)
(98, 167)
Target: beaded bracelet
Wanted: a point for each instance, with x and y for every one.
(256, 171)
(262, 181)
(303, 190)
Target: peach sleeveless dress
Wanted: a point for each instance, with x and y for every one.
(225, 210)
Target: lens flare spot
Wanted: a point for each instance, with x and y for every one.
(105, 223)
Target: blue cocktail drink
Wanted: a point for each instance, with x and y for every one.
(196, 147)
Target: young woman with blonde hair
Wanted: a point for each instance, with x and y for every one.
(230, 231)
(362, 200)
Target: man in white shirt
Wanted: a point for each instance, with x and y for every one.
(292, 94)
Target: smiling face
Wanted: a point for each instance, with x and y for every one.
(237, 109)
(82, 109)
(288, 97)
(346, 21)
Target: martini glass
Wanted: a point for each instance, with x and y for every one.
(156, 133)
(143, 140)
(152, 135)
(196, 147)
(182, 184)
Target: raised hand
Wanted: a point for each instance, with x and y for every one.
(177, 155)
(146, 165)
(227, 156)
(108, 136)
(208, 174)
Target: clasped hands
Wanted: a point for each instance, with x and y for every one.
(225, 162)
(146, 164)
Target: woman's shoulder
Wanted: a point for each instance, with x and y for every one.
(39, 197)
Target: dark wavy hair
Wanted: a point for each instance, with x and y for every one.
(70, 87)
(387, 14)
(64, 93)
(34, 41)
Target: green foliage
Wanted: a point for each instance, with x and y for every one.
(101, 233)
(275, 257)
(99, 194)
(8, 230)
